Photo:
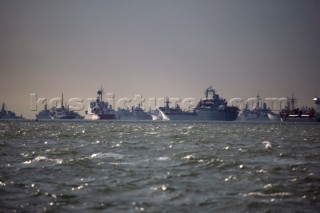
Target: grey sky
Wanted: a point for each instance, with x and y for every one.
(158, 48)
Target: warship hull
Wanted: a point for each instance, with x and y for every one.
(134, 115)
(43, 116)
(301, 118)
(206, 115)
(107, 116)
(55, 117)
(218, 115)
(181, 117)
(63, 114)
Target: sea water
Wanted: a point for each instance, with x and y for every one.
(114, 166)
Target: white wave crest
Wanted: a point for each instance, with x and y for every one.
(106, 155)
(43, 158)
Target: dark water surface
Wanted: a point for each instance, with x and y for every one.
(159, 167)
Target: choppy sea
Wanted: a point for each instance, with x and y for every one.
(114, 166)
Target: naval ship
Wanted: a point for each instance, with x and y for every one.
(5, 114)
(291, 113)
(99, 109)
(175, 113)
(136, 113)
(212, 108)
(61, 112)
(257, 113)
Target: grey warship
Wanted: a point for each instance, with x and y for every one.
(7, 114)
(257, 113)
(56, 113)
(175, 113)
(136, 113)
(215, 108)
(211, 108)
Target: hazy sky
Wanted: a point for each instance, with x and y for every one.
(158, 48)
